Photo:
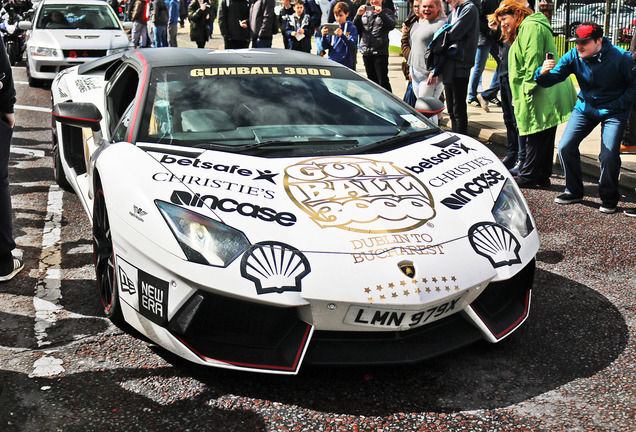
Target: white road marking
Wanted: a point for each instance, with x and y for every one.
(48, 294)
(28, 151)
(47, 366)
(32, 108)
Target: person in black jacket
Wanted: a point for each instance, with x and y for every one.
(463, 34)
(9, 265)
(232, 18)
(183, 12)
(299, 28)
(373, 27)
(199, 17)
(285, 13)
(516, 151)
(160, 20)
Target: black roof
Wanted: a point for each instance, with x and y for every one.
(157, 57)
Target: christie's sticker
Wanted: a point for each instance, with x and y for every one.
(357, 194)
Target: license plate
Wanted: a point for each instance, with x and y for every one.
(400, 319)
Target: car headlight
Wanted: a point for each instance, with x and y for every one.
(510, 211)
(46, 52)
(203, 240)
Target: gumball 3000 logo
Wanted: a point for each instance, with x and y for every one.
(358, 194)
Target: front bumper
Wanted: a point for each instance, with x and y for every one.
(255, 336)
(47, 68)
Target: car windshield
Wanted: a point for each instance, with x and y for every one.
(77, 16)
(235, 108)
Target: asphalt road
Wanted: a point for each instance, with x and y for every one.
(65, 368)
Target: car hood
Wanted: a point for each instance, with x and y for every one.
(425, 194)
(79, 39)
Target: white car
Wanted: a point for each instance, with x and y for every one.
(264, 209)
(68, 33)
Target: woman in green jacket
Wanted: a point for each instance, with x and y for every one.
(538, 110)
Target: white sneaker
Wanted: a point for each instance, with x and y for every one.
(17, 266)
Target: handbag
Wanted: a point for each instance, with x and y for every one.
(409, 95)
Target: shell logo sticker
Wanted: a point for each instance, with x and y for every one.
(359, 194)
(495, 243)
(274, 267)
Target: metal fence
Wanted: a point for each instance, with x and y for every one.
(566, 15)
(617, 17)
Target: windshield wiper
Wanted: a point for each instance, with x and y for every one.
(398, 138)
(272, 143)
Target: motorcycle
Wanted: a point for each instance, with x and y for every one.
(14, 38)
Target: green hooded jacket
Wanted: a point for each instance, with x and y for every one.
(536, 108)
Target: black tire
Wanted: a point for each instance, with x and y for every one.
(12, 52)
(105, 258)
(58, 171)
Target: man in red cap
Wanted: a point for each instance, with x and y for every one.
(607, 78)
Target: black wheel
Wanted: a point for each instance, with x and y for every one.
(58, 171)
(12, 52)
(105, 258)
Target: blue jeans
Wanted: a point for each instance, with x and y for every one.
(261, 43)
(579, 126)
(161, 36)
(480, 63)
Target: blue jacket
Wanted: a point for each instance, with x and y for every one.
(607, 81)
(343, 49)
(173, 13)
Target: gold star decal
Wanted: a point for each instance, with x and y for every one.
(456, 287)
(434, 279)
(382, 297)
(406, 293)
(391, 285)
(417, 290)
(378, 287)
(394, 295)
(428, 290)
(447, 288)
(437, 289)
(402, 283)
(413, 281)
(453, 278)
(370, 299)
(424, 280)
(444, 278)
(367, 290)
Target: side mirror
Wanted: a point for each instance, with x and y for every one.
(79, 114)
(25, 25)
(429, 106)
(128, 25)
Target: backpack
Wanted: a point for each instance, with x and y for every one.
(441, 48)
